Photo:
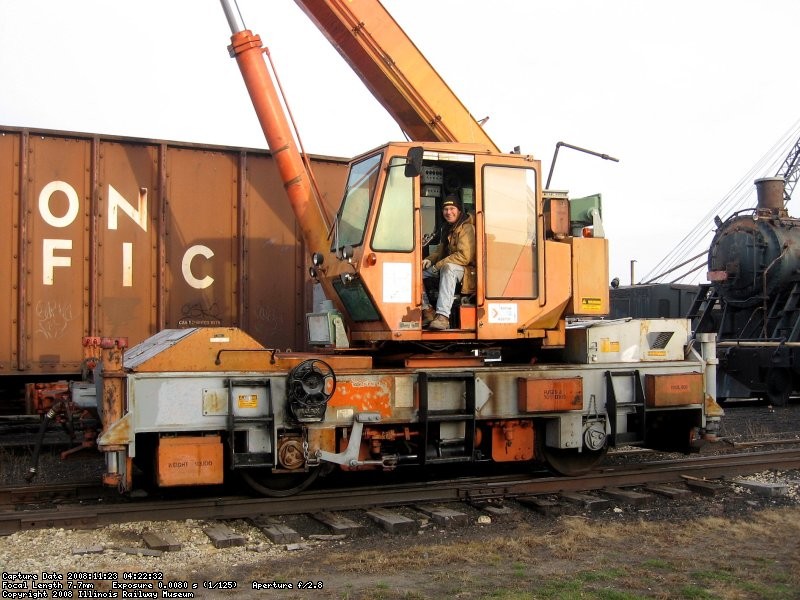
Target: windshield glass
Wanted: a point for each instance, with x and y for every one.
(394, 229)
(352, 218)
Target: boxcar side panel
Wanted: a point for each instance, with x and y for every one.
(9, 247)
(202, 239)
(273, 257)
(58, 206)
(277, 289)
(126, 284)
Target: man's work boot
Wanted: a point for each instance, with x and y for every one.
(428, 314)
(440, 322)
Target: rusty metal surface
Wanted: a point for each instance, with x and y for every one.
(55, 272)
(198, 349)
(190, 460)
(547, 395)
(109, 236)
(9, 178)
(673, 389)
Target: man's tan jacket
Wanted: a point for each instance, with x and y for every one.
(459, 249)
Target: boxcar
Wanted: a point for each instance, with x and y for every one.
(111, 236)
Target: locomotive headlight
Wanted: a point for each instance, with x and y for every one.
(317, 259)
(346, 253)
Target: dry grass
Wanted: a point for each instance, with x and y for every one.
(576, 558)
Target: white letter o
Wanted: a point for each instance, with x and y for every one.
(44, 203)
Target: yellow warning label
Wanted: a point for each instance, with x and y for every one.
(248, 400)
(656, 353)
(591, 305)
(607, 345)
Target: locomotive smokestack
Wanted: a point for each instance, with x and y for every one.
(770, 192)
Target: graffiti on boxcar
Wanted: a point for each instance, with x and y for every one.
(268, 319)
(196, 315)
(53, 318)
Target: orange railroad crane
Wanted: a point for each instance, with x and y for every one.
(507, 382)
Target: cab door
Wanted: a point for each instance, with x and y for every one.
(511, 251)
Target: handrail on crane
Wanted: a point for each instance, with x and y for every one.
(572, 147)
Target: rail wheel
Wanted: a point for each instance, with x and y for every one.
(571, 462)
(267, 483)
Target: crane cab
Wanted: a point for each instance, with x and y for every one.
(527, 265)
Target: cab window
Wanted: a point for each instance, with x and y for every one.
(352, 218)
(510, 226)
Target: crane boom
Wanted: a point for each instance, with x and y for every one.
(395, 71)
(790, 171)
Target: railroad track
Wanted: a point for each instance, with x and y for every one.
(14, 497)
(472, 489)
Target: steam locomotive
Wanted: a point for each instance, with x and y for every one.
(753, 299)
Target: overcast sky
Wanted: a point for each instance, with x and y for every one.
(687, 94)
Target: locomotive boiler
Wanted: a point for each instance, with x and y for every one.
(755, 257)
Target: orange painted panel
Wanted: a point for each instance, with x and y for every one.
(468, 317)
(372, 394)
(590, 295)
(674, 390)
(550, 395)
(201, 349)
(189, 460)
(512, 441)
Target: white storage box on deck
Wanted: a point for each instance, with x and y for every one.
(634, 340)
